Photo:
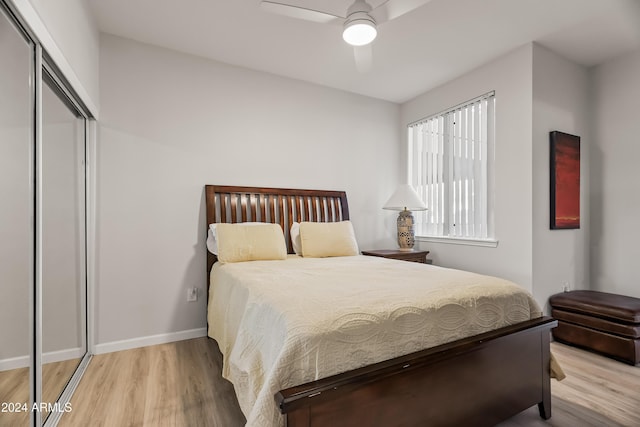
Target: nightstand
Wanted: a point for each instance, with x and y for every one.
(413, 256)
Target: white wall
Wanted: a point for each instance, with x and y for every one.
(510, 76)
(614, 171)
(560, 102)
(171, 123)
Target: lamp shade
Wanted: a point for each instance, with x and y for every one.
(404, 198)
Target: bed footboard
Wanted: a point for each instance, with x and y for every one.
(479, 381)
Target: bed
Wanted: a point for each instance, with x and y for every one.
(412, 378)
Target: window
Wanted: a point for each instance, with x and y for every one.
(449, 161)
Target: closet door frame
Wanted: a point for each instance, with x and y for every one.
(41, 63)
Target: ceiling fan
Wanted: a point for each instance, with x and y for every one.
(359, 22)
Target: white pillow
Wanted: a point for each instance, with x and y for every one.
(212, 241)
(328, 239)
(242, 242)
(212, 245)
(294, 234)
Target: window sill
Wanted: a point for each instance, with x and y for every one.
(486, 243)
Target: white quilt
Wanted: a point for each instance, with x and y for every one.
(285, 323)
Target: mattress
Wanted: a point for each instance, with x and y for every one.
(287, 322)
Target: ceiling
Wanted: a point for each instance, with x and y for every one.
(413, 53)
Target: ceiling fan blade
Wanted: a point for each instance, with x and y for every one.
(299, 12)
(364, 57)
(392, 9)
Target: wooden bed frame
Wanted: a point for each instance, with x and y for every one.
(480, 380)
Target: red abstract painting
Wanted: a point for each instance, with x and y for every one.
(565, 180)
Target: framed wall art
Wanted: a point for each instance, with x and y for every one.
(565, 180)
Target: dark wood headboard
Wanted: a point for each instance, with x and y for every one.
(282, 206)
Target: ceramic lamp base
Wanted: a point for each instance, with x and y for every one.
(406, 234)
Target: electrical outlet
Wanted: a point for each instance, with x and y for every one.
(566, 286)
(192, 294)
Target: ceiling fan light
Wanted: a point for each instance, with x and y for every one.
(360, 31)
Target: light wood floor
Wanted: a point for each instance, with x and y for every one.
(597, 392)
(179, 384)
(14, 387)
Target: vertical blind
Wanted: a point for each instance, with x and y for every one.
(448, 167)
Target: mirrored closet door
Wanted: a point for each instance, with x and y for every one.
(63, 240)
(16, 220)
(43, 232)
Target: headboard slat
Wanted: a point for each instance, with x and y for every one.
(316, 208)
(234, 207)
(223, 208)
(291, 202)
(272, 209)
(322, 217)
(243, 206)
(309, 209)
(263, 207)
(293, 210)
(253, 202)
(282, 209)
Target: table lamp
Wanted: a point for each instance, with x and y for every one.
(405, 200)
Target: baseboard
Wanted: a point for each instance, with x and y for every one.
(50, 357)
(14, 363)
(110, 347)
(61, 355)
(75, 353)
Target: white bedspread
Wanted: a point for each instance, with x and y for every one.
(284, 323)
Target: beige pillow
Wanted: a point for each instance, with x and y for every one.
(238, 242)
(327, 239)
